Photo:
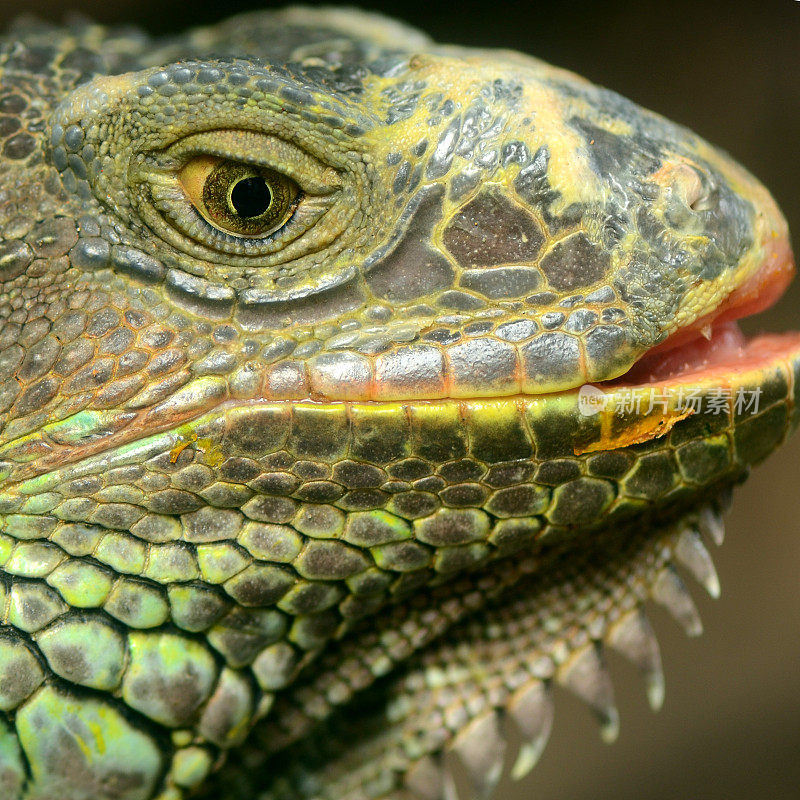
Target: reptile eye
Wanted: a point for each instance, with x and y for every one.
(239, 198)
(247, 198)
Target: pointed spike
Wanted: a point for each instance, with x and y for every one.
(633, 637)
(725, 499)
(691, 552)
(450, 789)
(531, 709)
(480, 747)
(586, 676)
(710, 523)
(670, 592)
(425, 779)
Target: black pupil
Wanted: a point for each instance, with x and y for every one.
(251, 197)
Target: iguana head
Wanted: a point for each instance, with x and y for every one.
(394, 221)
(295, 313)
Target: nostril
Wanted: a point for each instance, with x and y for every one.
(689, 184)
(686, 184)
(703, 202)
(699, 191)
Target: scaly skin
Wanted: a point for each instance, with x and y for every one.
(307, 510)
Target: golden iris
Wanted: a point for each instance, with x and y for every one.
(242, 199)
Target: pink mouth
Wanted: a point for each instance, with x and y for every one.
(727, 352)
(714, 346)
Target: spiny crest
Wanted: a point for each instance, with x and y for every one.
(474, 761)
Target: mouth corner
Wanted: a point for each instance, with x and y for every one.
(714, 346)
(765, 286)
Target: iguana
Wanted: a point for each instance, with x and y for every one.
(355, 390)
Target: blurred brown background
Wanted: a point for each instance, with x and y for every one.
(730, 727)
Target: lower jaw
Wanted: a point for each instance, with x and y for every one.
(746, 390)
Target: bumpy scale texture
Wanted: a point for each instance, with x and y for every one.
(311, 512)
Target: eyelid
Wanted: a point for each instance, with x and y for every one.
(164, 206)
(258, 149)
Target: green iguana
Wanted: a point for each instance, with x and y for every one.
(355, 390)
